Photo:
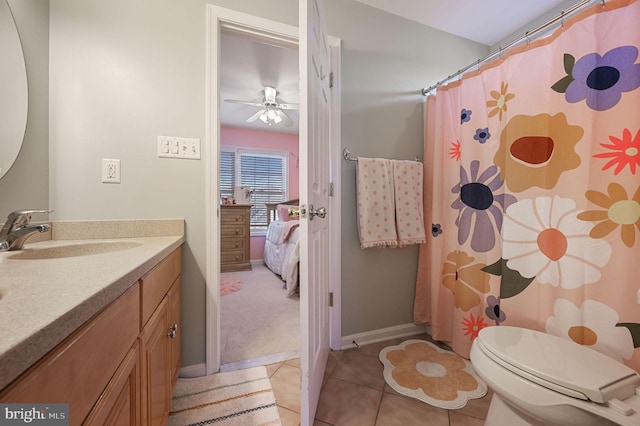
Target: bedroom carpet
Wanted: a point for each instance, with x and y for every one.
(424, 371)
(258, 320)
(240, 398)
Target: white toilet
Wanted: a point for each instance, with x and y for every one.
(540, 379)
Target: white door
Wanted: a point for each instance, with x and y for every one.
(315, 137)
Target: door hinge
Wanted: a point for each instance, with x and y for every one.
(330, 189)
(331, 80)
(331, 299)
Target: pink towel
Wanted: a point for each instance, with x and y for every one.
(376, 221)
(407, 179)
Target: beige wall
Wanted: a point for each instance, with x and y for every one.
(122, 73)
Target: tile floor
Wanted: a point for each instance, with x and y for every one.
(354, 393)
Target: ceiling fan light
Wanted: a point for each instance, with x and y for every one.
(263, 118)
(271, 114)
(277, 119)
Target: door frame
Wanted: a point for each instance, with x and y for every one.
(219, 18)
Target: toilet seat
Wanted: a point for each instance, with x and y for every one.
(558, 364)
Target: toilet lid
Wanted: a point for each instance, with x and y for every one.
(557, 363)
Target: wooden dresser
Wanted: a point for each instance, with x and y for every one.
(235, 237)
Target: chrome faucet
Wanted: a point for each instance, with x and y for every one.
(17, 229)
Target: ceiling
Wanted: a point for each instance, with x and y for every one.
(486, 21)
(247, 65)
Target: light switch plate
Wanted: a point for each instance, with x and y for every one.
(173, 147)
(110, 170)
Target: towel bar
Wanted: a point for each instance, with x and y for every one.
(346, 154)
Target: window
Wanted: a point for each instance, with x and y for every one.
(264, 171)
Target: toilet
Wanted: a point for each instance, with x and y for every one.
(541, 379)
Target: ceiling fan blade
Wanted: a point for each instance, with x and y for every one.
(255, 116)
(289, 106)
(285, 118)
(235, 101)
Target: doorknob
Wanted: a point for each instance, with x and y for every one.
(320, 212)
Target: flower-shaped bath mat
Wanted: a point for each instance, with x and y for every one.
(422, 370)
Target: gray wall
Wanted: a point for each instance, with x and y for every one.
(386, 60)
(122, 73)
(26, 185)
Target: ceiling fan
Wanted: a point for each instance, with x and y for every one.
(271, 111)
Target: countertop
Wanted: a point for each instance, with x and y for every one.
(42, 301)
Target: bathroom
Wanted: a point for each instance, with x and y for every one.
(139, 72)
(106, 78)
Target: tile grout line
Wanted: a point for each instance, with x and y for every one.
(379, 406)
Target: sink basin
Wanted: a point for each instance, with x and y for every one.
(73, 250)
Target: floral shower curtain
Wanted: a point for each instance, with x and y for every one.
(532, 190)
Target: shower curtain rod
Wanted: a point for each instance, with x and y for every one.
(526, 36)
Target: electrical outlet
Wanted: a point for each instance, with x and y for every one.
(110, 170)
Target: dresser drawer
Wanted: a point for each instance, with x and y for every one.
(231, 244)
(234, 217)
(233, 257)
(232, 231)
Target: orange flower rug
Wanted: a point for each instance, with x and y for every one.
(422, 370)
(229, 284)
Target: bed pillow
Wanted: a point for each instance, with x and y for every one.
(284, 212)
(287, 212)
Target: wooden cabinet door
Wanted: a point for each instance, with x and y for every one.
(175, 343)
(120, 402)
(154, 362)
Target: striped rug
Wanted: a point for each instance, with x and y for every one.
(242, 397)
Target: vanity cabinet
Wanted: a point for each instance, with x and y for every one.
(121, 366)
(160, 340)
(119, 404)
(235, 237)
(80, 368)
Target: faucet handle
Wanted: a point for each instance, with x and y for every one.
(19, 218)
(18, 213)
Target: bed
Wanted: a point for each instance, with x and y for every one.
(282, 243)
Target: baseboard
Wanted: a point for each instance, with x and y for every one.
(347, 342)
(191, 371)
(380, 335)
(263, 360)
(257, 262)
(200, 370)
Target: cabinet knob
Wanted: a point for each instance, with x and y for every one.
(172, 331)
(237, 245)
(237, 231)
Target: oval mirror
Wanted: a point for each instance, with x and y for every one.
(13, 90)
